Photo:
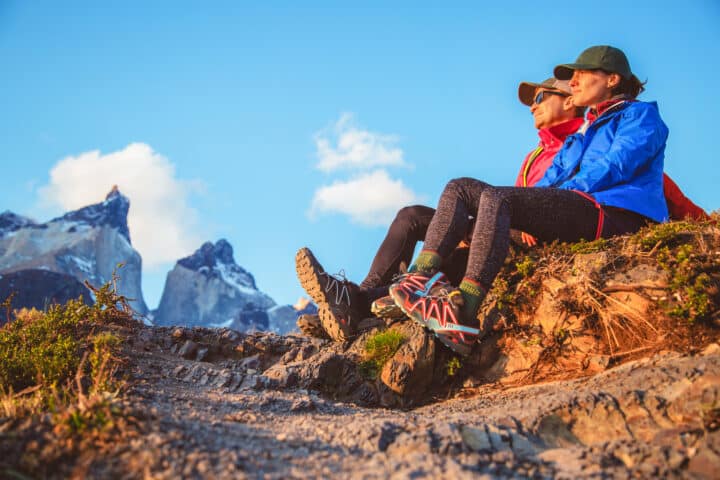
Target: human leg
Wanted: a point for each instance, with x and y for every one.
(546, 213)
(406, 230)
(341, 303)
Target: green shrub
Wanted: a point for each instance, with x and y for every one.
(583, 246)
(668, 234)
(47, 354)
(378, 350)
(41, 347)
(526, 267)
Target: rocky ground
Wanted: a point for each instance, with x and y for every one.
(223, 418)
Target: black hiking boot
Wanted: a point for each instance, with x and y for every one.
(340, 302)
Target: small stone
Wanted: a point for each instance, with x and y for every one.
(476, 439)
(252, 362)
(599, 362)
(188, 350)
(230, 336)
(302, 405)
(201, 354)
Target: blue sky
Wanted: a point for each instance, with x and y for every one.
(279, 125)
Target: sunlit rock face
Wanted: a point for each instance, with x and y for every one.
(88, 244)
(209, 289)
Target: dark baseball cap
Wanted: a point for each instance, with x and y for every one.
(526, 91)
(599, 57)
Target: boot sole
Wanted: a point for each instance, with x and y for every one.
(311, 326)
(308, 271)
(332, 324)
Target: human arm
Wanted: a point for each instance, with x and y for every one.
(638, 138)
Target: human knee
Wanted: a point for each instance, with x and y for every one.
(464, 185)
(459, 183)
(493, 198)
(410, 213)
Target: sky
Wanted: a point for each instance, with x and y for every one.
(278, 125)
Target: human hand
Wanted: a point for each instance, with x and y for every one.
(528, 239)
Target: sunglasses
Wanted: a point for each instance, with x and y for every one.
(542, 94)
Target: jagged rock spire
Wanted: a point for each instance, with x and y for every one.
(113, 212)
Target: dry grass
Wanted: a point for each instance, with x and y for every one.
(672, 304)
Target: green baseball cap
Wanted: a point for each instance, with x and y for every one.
(526, 90)
(599, 57)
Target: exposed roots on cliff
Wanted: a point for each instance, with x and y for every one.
(570, 310)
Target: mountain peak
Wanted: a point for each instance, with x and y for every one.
(9, 222)
(209, 255)
(114, 192)
(218, 257)
(113, 211)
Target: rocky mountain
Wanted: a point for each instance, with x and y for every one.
(208, 288)
(87, 244)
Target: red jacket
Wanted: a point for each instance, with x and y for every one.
(679, 206)
(537, 161)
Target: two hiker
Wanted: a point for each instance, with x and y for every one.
(342, 304)
(605, 179)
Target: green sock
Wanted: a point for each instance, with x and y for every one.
(473, 294)
(427, 261)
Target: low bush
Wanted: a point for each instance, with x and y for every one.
(378, 350)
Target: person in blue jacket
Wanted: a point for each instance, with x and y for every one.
(606, 180)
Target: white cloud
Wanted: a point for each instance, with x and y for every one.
(161, 220)
(369, 199)
(344, 145)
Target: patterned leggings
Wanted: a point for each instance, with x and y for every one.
(546, 213)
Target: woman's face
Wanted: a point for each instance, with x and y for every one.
(590, 87)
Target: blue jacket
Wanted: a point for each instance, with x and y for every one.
(618, 160)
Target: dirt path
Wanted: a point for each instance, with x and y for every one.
(648, 418)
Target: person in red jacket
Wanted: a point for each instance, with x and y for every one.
(341, 303)
(555, 118)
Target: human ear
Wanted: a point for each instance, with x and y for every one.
(613, 80)
(568, 104)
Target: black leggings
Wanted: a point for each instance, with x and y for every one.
(407, 229)
(546, 213)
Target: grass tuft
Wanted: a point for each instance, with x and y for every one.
(378, 350)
